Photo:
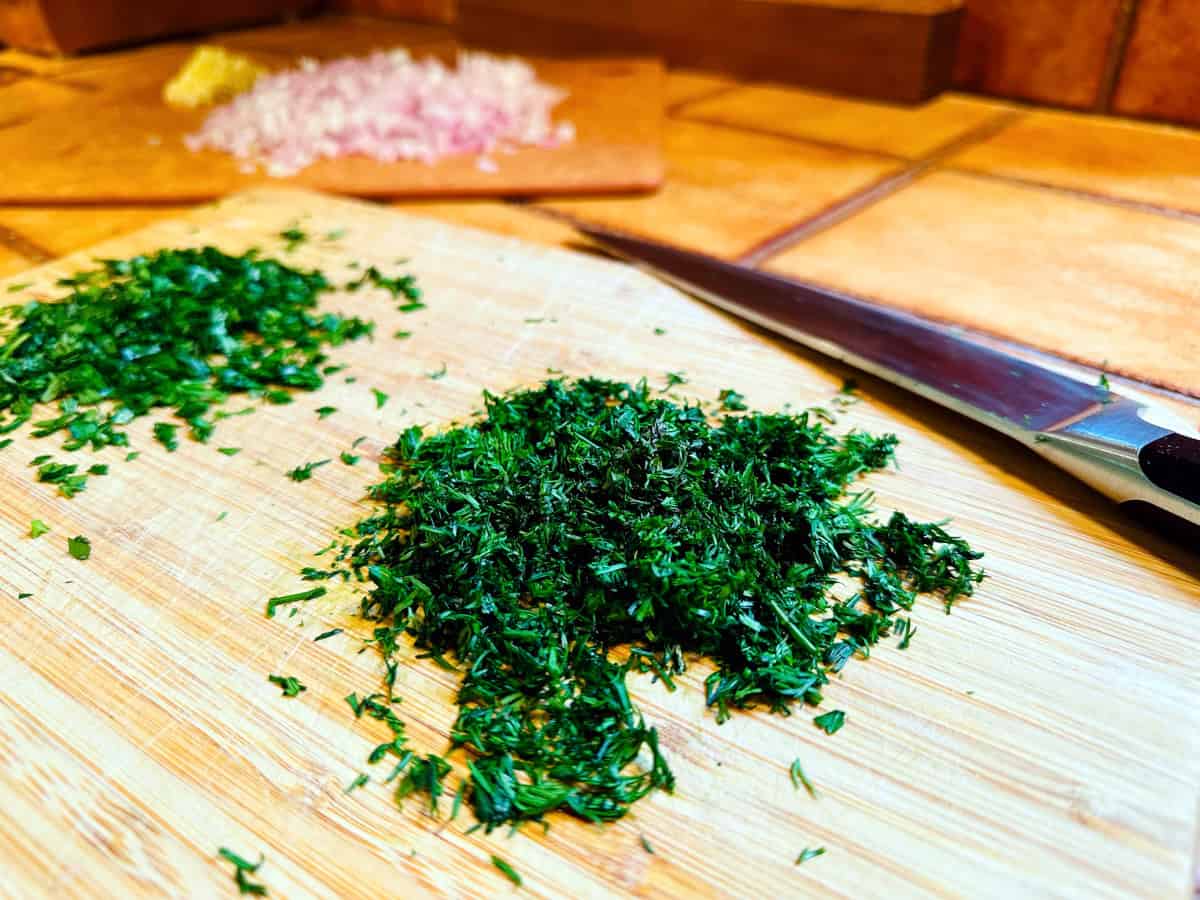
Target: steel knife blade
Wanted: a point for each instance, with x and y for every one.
(1102, 437)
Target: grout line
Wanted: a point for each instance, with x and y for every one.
(1142, 206)
(885, 187)
(1114, 62)
(795, 138)
(23, 246)
(675, 108)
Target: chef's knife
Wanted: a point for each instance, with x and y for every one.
(1105, 439)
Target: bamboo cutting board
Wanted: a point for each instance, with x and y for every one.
(118, 141)
(1044, 739)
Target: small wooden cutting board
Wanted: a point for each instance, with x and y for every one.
(119, 142)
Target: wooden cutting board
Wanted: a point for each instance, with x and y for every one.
(1044, 739)
(120, 142)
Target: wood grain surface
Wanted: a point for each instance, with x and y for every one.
(118, 142)
(1043, 740)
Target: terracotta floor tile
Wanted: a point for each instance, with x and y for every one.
(61, 230)
(908, 131)
(685, 85)
(1052, 51)
(502, 218)
(1130, 160)
(728, 190)
(1105, 285)
(1157, 78)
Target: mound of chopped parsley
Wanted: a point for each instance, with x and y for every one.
(583, 529)
(175, 330)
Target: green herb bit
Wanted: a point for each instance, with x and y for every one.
(325, 411)
(305, 472)
(24, 595)
(799, 778)
(229, 451)
(37, 528)
(357, 783)
(674, 379)
(336, 235)
(660, 331)
(79, 547)
(1105, 389)
(5, 443)
(509, 872)
(831, 721)
(299, 597)
(132, 455)
(906, 626)
(380, 398)
(348, 458)
(242, 869)
(290, 685)
(20, 286)
(426, 776)
(327, 634)
(166, 434)
(98, 469)
(222, 514)
(438, 375)
(516, 549)
(398, 286)
(646, 845)
(401, 335)
(294, 238)
(357, 441)
(806, 854)
(732, 401)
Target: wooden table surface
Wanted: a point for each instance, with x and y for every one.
(944, 208)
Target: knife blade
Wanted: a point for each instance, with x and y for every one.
(1104, 438)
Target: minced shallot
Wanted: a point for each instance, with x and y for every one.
(389, 107)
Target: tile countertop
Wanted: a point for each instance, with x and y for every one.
(1059, 229)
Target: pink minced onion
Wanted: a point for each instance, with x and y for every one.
(388, 107)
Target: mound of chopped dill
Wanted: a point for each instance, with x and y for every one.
(528, 547)
(176, 329)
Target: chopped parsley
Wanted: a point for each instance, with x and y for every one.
(293, 237)
(229, 451)
(357, 783)
(79, 547)
(509, 872)
(809, 853)
(291, 686)
(327, 634)
(438, 375)
(732, 401)
(299, 597)
(380, 398)
(348, 458)
(242, 869)
(325, 411)
(831, 721)
(799, 778)
(37, 528)
(519, 548)
(305, 472)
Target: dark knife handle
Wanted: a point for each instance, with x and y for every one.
(1173, 464)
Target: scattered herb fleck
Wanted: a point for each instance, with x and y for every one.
(348, 458)
(799, 778)
(566, 520)
(509, 872)
(809, 853)
(327, 634)
(401, 335)
(299, 597)
(242, 868)
(646, 845)
(398, 286)
(79, 547)
(290, 685)
(37, 528)
(732, 401)
(166, 434)
(98, 469)
(660, 331)
(305, 472)
(336, 235)
(221, 515)
(438, 375)
(831, 721)
(294, 237)
(325, 411)
(674, 379)
(1105, 389)
(24, 595)
(132, 455)
(357, 782)
(5, 443)
(14, 288)
(229, 451)
(380, 398)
